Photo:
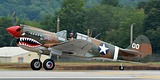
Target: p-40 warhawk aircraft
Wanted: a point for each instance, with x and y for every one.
(48, 43)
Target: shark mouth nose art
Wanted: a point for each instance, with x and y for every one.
(29, 42)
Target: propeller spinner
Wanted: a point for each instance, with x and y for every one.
(14, 31)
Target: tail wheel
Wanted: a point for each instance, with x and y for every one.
(48, 64)
(121, 67)
(36, 64)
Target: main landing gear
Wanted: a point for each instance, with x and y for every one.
(48, 64)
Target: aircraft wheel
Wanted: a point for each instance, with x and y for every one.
(121, 67)
(48, 64)
(36, 64)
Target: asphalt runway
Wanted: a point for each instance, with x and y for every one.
(80, 75)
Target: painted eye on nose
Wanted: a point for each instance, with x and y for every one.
(23, 34)
(19, 29)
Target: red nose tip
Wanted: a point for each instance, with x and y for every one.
(14, 31)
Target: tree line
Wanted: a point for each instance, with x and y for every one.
(107, 18)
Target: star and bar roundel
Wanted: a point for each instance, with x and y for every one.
(103, 48)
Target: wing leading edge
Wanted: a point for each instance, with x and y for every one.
(76, 47)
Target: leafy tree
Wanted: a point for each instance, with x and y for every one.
(152, 21)
(114, 23)
(141, 5)
(72, 15)
(49, 23)
(110, 2)
(5, 38)
(153, 35)
(38, 9)
(99, 19)
(31, 9)
(92, 3)
(123, 18)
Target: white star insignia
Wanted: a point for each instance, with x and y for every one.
(103, 49)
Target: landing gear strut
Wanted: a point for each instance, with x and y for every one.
(48, 64)
(121, 67)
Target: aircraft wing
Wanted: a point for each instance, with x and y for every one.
(76, 47)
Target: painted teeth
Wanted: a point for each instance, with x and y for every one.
(22, 42)
(35, 34)
(29, 39)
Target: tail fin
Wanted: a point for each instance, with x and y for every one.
(143, 45)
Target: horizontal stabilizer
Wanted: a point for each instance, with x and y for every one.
(130, 52)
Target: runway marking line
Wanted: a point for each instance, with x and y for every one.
(149, 77)
(67, 77)
(120, 73)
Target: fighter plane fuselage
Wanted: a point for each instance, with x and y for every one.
(35, 39)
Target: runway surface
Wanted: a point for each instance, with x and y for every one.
(79, 75)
